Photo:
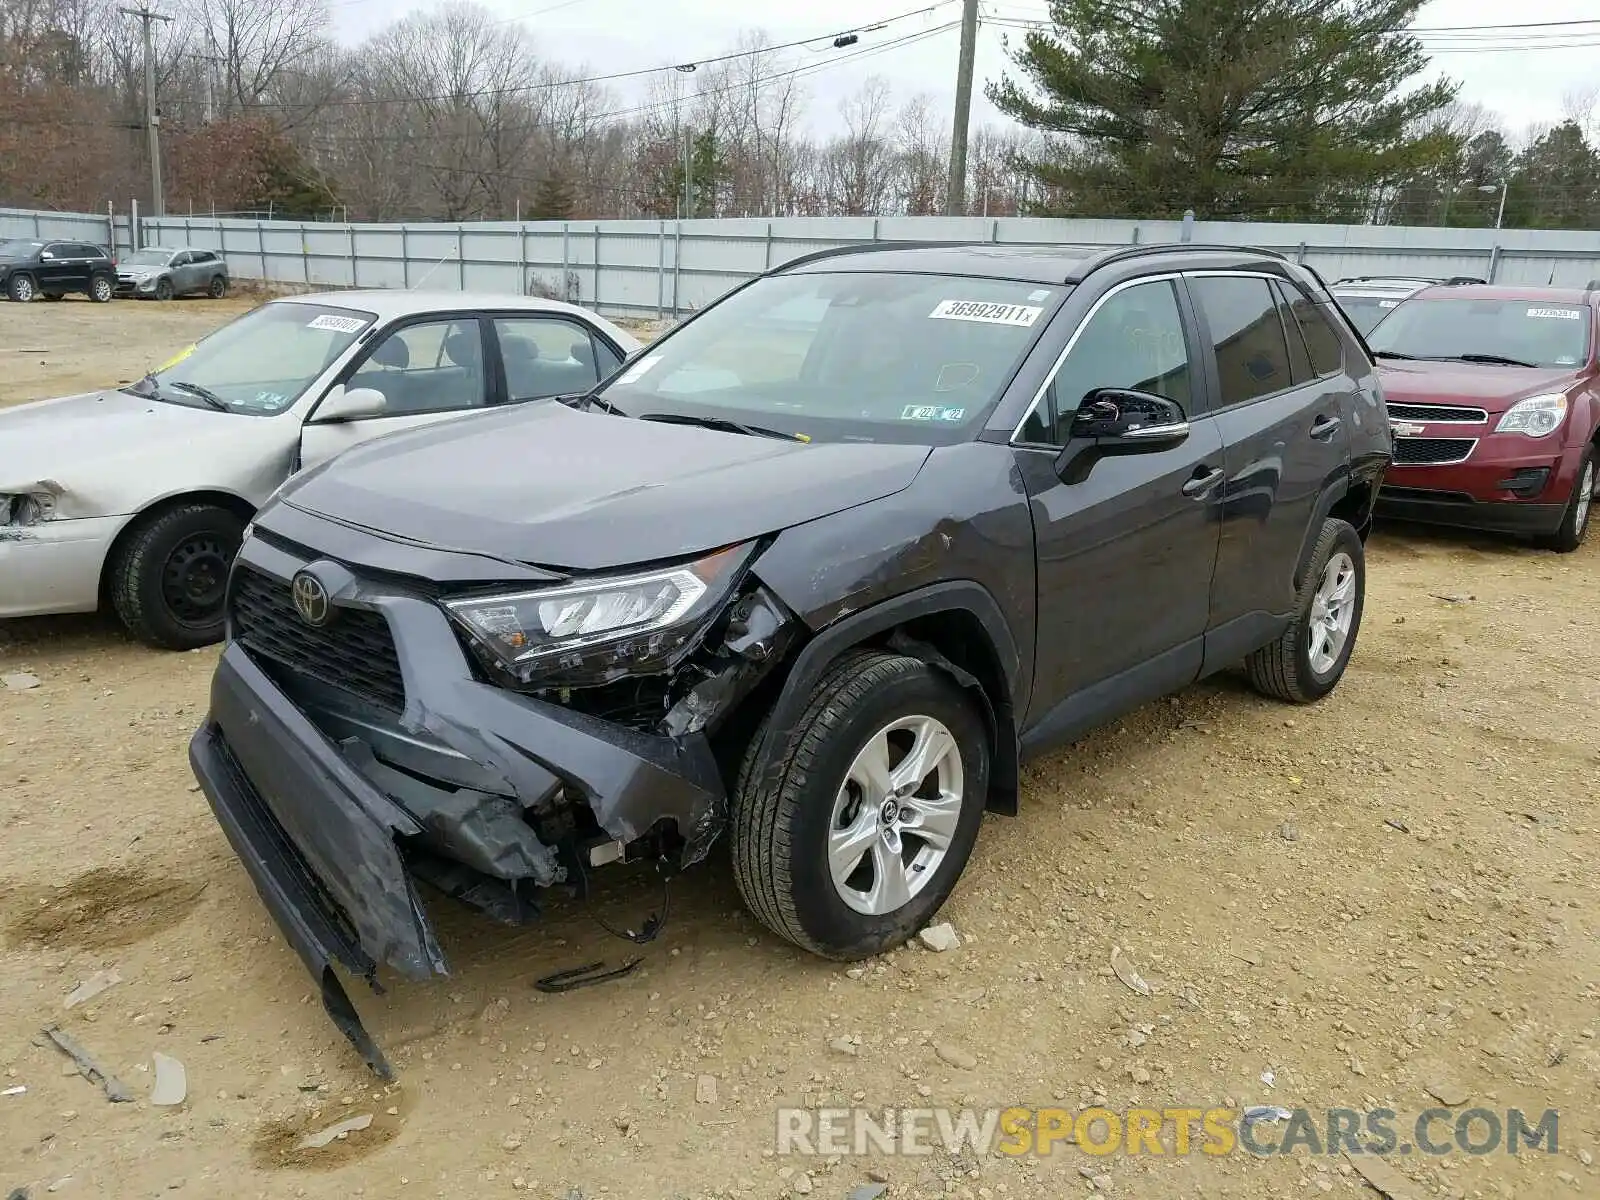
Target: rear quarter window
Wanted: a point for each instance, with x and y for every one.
(1323, 343)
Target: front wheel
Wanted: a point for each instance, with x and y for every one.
(170, 576)
(21, 288)
(101, 289)
(859, 834)
(1309, 659)
(163, 288)
(1575, 520)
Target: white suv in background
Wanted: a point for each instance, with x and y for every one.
(1368, 299)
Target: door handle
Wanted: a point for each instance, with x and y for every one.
(1197, 487)
(1324, 427)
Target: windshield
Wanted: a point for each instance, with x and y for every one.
(1531, 332)
(1366, 311)
(847, 356)
(260, 363)
(147, 258)
(17, 248)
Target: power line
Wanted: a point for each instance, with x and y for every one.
(546, 85)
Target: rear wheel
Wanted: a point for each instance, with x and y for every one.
(218, 288)
(858, 836)
(163, 289)
(1575, 521)
(101, 289)
(22, 288)
(1309, 659)
(169, 577)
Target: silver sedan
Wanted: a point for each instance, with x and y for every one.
(141, 494)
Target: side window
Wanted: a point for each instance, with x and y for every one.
(546, 356)
(182, 259)
(1299, 364)
(1247, 336)
(200, 256)
(1323, 343)
(432, 366)
(1134, 340)
(53, 250)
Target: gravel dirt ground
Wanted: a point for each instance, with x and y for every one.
(1377, 901)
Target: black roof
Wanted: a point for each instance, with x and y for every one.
(1025, 263)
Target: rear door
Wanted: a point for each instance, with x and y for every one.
(1125, 553)
(548, 355)
(427, 370)
(1282, 423)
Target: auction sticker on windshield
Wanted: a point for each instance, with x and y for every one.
(1559, 314)
(988, 314)
(339, 324)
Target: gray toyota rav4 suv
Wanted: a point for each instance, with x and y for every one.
(815, 572)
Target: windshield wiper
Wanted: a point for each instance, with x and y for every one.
(723, 424)
(194, 389)
(584, 401)
(1391, 354)
(1496, 360)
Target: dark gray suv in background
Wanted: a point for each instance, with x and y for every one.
(817, 571)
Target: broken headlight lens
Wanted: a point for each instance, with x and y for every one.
(26, 508)
(600, 628)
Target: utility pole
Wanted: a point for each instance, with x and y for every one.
(211, 61)
(152, 122)
(955, 197)
(688, 172)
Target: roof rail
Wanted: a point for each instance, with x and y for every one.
(1460, 280)
(1121, 253)
(865, 248)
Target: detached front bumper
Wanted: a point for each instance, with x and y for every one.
(336, 813)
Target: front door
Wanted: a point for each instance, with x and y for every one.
(427, 372)
(1281, 413)
(56, 269)
(1125, 553)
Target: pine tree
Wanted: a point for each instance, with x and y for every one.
(552, 197)
(1289, 109)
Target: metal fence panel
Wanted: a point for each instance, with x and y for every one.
(650, 268)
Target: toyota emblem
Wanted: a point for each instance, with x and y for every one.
(310, 598)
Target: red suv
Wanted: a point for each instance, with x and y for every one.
(1494, 399)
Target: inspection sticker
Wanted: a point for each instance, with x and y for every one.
(931, 412)
(1559, 314)
(1388, 304)
(988, 314)
(339, 324)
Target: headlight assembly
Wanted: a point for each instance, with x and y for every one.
(600, 629)
(1536, 416)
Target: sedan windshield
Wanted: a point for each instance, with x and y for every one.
(1530, 333)
(845, 356)
(147, 258)
(260, 363)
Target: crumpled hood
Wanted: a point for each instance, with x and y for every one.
(1480, 385)
(107, 452)
(544, 484)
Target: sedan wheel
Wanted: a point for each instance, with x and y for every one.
(169, 576)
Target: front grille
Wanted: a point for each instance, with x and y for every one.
(1452, 413)
(354, 652)
(1432, 452)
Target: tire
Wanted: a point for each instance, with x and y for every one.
(102, 288)
(163, 289)
(1575, 520)
(22, 289)
(169, 575)
(1292, 668)
(218, 288)
(783, 826)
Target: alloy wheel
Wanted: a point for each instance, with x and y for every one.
(1332, 611)
(1586, 488)
(895, 815)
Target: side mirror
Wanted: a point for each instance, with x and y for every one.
(1112, 422)
(354, 404)
(1123, 421)
(46, 255)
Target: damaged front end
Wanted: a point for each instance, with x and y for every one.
(367, 731)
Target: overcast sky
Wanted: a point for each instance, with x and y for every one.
(1525, 86)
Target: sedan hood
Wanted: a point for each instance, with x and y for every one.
(107, 453)
(584, 491)
(1481, 385)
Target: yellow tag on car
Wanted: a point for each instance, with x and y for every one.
(176, 358)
